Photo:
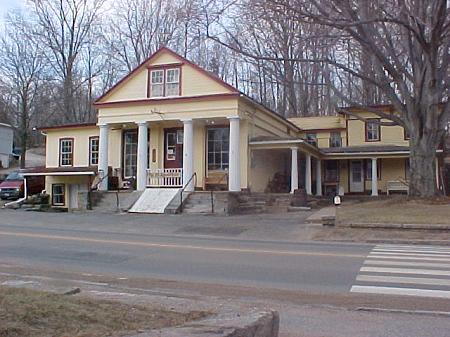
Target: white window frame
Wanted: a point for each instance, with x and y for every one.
(373, 127)
(62, 153)
(171, 156)
(92, 152)
(63, 195)
(165, 82)
(334, 135)
(224, 165)
(157, 83)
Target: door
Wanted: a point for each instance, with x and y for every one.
(173, 148)
(73, 196)
(356, 176)
(130, 140)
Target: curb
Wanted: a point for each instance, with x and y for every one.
(429, 227)
(253, 324)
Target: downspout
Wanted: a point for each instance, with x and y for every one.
(25, 195)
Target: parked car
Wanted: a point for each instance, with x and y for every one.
(13, 186)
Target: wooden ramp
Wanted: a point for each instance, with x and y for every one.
(154, 200)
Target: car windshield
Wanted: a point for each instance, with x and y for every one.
(14, 176)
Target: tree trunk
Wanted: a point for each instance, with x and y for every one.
(24, 130)
(422, 172)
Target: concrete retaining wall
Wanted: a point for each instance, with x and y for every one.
(254, 324)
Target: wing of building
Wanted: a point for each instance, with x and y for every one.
(171, 124)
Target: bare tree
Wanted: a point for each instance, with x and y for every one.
(65, 27)
(21, 67)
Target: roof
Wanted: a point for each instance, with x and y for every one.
(60, 171)
(368, 148)
(6, 125)
(67, 126)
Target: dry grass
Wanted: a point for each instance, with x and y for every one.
(396, 210)
(30, 313)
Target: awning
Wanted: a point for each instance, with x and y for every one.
(60, 171)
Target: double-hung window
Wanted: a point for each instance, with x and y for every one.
(218, 147)
(164, 82)
(311, 138)
(58, 195)
(93, 151)
(66, 152)
(373, 130)
(335, 139)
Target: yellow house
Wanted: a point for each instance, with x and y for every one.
(170, 125)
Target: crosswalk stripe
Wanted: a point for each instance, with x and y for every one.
(406, 271)
(401, 291)
(411, 254)
(407, 264)
(401, 279)
(411, 247)
(411, 251)
(408, 258)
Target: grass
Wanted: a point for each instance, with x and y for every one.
(30, 313)
(396, 210)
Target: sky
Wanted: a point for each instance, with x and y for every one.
(6, 5)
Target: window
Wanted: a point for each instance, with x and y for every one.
(164, 82)
(331, 171)
(66, 152)
(58, 194)
(218, 147)
(372, 130)
(157, 83)
(335, 139)
(171, 145)
(311, 138)
(93, 151)
(130, 139)
(406, 135)
(369, 169)
(172, 82)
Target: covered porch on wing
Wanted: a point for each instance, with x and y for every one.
(284, 165)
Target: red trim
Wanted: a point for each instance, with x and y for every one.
(324, 130)
(71, 155)
(164, 66)
(171, 99)
(68, 126)
(180, 58)
(379, 130)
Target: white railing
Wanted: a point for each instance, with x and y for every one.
(169, 177)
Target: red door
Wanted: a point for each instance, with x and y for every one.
(173, 148)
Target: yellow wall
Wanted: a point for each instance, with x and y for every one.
(320, 122)
(83, 181)
(193, 81)
(263, 166)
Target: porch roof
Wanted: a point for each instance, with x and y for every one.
(269, 142)
(60, 171)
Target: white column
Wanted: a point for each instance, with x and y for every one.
(234, 171)
(103, 156)
(374, 177)
(308, 174)
(294, 169)
(188, 154)
(318, 177)
(142, 156)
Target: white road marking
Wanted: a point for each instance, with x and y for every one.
(401, 291)
(411, 254)
(408, 258)
(406, 271)
(407, 264)
(411, 247)
(400, 279)
(412, 251)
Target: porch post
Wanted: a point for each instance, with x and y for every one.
(142, 156)
(103, 156)
(234, 171)
(308, 174)
(294, 169)
(318, 177)
(374, 177)
(188, 154)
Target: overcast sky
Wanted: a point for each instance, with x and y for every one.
(6, 5)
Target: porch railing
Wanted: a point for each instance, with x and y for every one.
(168, 177)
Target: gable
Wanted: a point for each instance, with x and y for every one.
(194, 80)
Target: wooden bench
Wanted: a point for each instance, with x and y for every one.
(397, 186)
(217, 179)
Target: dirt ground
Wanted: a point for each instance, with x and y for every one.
(396, 210)
(32, 313)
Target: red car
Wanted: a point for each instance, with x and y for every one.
(13, 186)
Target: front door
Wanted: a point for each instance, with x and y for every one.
(173, 148)
(356, 176)
(73, 196)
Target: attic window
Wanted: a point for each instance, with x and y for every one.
(164, 82)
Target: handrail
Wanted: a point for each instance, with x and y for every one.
(100, 181)
(194, 175)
